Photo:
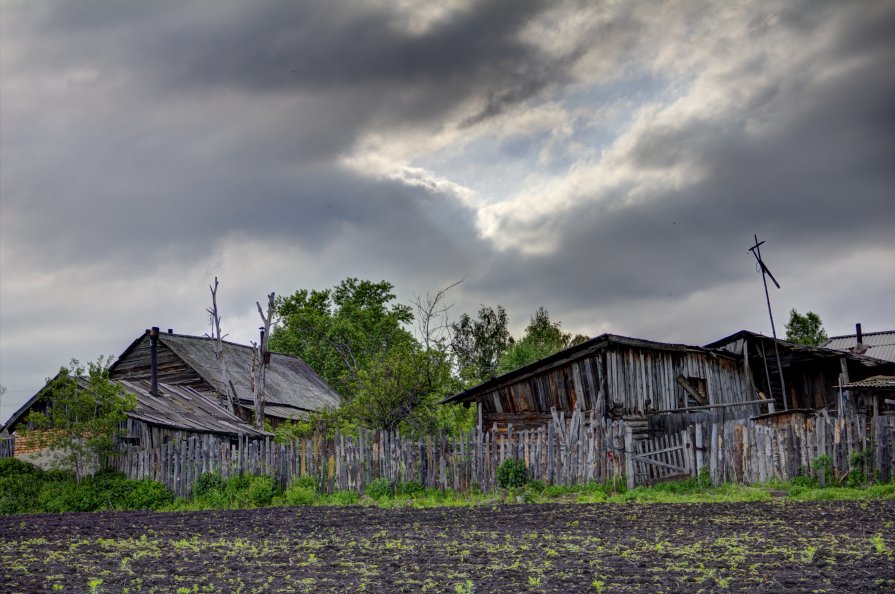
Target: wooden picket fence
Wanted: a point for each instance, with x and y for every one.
(566, 451)
(749, 452)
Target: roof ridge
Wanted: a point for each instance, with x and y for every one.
(862, 334)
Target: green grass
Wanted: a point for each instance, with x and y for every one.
(27, 490)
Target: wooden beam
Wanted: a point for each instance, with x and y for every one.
(689, 408)
(689, 389)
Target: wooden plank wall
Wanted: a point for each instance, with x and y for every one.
(625, 375)
(7, 447)
(565, 451)
(171, 368)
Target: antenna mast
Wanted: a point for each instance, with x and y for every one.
(765, 273)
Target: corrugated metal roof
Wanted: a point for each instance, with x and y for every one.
(733, 344)
(880, 345)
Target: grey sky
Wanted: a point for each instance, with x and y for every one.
(609, 161)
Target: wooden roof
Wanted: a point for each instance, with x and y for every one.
(176, 407)
(290, 383)
(181, 407)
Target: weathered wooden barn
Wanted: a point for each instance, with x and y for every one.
(811, 375)
(292, 388)
(651, 385)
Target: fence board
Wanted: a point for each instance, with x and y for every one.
(566, 451)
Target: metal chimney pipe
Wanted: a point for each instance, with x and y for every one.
(860, 335)
(153, 361)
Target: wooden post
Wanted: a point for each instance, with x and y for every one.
(629, 457)
(691, 450)
(844, 395)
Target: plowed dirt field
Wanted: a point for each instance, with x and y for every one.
(743, 547)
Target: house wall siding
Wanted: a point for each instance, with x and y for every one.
(618, 381)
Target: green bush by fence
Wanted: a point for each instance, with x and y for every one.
(25, 488)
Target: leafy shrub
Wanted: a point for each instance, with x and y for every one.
(803, 481)
(511, 473)
(856, 476)
(341, 498)
(261, 490)
(705, 478)
(825, 465)
(558, 490)
(535, 487)
(410, 489)
(298, 495)
(19, 494)
(235, 487)
(379, 489)
(207, 482)
(214, 499)
(16, 467)
(146, 494)
(306, 482)
(54, 496)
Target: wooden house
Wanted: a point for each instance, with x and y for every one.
(292, 388)
(175, 413)
(811, 375)
(653, 386)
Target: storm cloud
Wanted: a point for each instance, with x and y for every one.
(608, 161)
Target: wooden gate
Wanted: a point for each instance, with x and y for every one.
(661, 458)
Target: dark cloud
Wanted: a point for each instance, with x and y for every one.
(223, 117)
(144, 142)
(307, 47)
(817, 182)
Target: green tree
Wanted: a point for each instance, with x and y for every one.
(401, 387)
(341, 331)
(541, 339)
(355, 337)
(81, 414)
(479, 343)
(805, 329)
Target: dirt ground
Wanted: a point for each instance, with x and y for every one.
(742, 547)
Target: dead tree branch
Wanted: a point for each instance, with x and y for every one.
(218, 346)
(261, 372)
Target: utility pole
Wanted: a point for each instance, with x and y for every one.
(765, 273)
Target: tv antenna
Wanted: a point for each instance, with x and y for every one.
(765, 273)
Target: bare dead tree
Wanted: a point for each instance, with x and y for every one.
(218, 345)
(255, 352)
(260, 373)
(432, 320)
